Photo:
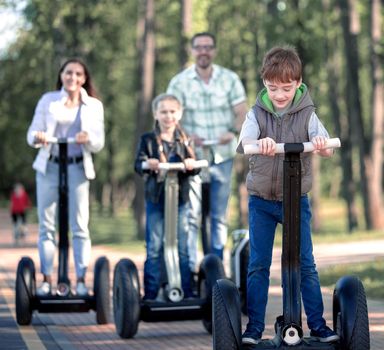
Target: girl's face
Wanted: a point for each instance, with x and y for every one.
(281, 94)
(73, 77)
(168, 113)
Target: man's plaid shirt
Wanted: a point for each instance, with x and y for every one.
(208, 108)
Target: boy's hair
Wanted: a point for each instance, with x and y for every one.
(197, 35)
(281, 64)
(163, 97)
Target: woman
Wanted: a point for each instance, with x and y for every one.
(70, 111)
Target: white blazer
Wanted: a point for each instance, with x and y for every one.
(49, 108)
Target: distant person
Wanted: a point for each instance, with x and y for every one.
(19, 204)
(70, 111)
(283, 113)
(166, 143)
(214, 103)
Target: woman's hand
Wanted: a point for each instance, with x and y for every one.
(40, 138)
(82, 137)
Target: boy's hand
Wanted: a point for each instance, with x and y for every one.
(153, 164)
(267, 146)
(189, 163)
(320, 143)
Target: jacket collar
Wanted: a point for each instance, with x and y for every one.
(83, 93)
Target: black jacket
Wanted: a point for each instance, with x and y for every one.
(148, 148)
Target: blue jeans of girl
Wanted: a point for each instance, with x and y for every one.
(154, 236)
(264, 215)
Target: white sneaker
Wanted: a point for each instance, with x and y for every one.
(44, 290)
(81, 289)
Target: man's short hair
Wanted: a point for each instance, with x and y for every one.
(197, 35)
(281, 64)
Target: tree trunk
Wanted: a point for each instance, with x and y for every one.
(374, 163)
(146, 59)
(351, 29)
(186, 29)
(348, 191)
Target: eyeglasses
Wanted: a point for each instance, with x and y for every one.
(201, 48)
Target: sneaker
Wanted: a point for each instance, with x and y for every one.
(44, 290)
(81, 289)
(324, 335)
(249, 338)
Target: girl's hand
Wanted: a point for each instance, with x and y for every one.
(267, 146)
(82, 137)
(189, 163)
(40, 138)
(153, 164)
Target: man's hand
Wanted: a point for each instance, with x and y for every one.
(40, 138)
(153, 164)
(226, 138)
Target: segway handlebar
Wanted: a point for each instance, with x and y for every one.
(52, 139)
(207, 143)
(292, 147)
(177, 166)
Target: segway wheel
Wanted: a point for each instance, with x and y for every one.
(350, 314)
(126, 298)
(25, 290)
(226, 326)
(211, 270)
(101, 291)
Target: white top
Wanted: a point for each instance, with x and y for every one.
(47, 113)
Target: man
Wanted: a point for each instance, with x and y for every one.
(215, 106)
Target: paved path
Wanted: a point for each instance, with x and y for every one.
(80, 331)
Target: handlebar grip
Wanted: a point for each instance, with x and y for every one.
(177, 166)
(281, 147)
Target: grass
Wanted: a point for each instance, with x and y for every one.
(120, 233)
(370, 273)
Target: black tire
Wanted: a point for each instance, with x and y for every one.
(126, 298)
(211, 270)
(101, 291)
(224, 334)
(350, 314)
(25, 291)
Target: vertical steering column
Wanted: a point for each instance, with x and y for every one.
(63, 280)
(171, 255)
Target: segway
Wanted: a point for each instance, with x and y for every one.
(128, 306)
(350, 315)
(240, 239)
(64, 300)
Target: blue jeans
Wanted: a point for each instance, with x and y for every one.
(47, 206)
(220, 189)
(264, 215)
(154, 236)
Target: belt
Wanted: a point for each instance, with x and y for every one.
(70, 160)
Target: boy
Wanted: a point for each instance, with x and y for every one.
(283, 113)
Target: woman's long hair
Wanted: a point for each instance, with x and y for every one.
(88, 85)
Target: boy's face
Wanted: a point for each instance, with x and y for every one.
(168, 113)
(281, 94)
